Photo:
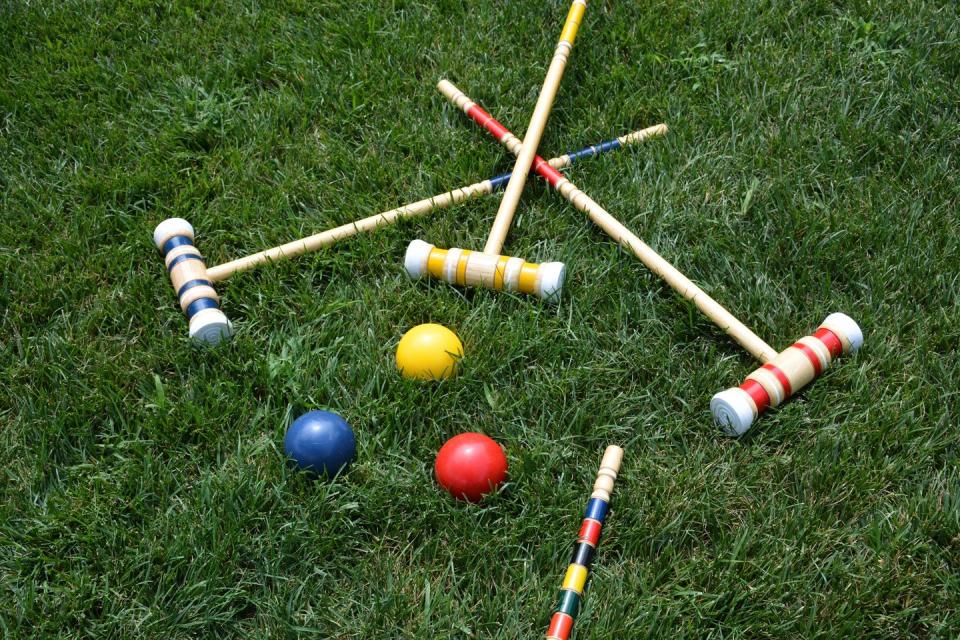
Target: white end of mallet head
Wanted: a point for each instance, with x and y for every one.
(210, 326)
(552, 275)
(733, 411)
(415, 260)
(169, 228)
(841, 322)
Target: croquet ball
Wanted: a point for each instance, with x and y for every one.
(320, 442)
(429, 352)
(470, 465)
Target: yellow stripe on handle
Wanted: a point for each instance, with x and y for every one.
(462, 267)
(500, 272)
(576, 578)
(574, 18)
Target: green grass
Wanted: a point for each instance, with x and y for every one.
(811, 167)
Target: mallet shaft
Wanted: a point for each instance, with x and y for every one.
(330, 236)
(616, 230)
(680, 283)
(326, 238)
(531, 139)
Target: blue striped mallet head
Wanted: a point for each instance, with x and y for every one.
(188, 273)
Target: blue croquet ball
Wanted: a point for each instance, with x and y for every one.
(320, 442)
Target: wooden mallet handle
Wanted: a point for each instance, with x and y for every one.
(326, 238)
(531, 140)
(330, 236)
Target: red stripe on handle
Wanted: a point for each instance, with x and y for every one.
(758, 394)
(830, 339)
(485, 120)
(560, 626)
(545, 171)
(781, 378)
(590, 532)
(540, 166)
(811, 356)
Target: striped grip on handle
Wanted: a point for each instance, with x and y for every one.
(585, 547)
(572, 24)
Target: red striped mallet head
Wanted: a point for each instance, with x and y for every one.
(188, 273)
(792, 369)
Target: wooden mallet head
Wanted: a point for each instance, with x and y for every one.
(472, 268)
(792, 369)
(188, 273)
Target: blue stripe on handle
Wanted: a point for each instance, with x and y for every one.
(499, 182)
(587, 152)
(199, 305)
(190, 284)
(174, 242)
(596, 509)
(186, 256)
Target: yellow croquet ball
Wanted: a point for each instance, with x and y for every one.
(429, 352)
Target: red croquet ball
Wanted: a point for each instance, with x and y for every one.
(470, 465)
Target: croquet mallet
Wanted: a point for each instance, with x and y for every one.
(489, 268)
(781, 374)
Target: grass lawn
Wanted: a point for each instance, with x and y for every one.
(811, 167)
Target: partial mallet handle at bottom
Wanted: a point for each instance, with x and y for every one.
(585, 547)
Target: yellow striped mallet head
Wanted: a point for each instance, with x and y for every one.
(790, 370)
(188, 273)
(473, 268)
